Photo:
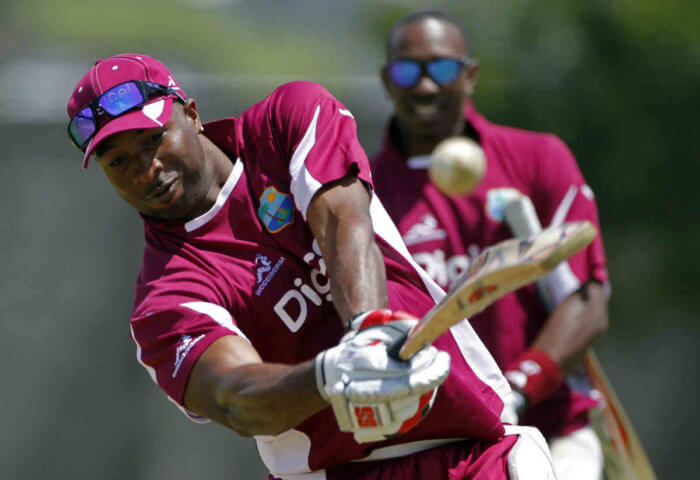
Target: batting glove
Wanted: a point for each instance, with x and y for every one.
(374, 395)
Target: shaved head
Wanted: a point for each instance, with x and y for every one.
(428, 108)
(396, 38)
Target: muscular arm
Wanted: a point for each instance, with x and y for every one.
(230, 385)
(573, 325)
(339, 219)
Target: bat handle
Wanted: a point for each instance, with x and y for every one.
(395, 347)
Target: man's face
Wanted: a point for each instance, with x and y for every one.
(160, 172)
(428, 109)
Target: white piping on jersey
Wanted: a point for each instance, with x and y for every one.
(385, 228)
(152, 373)
(217, 313)
(345, 112)
(567, 282)
(226, 190)
(562, 282)
(304, 185)
(419, 162)
(564, 207)
(473, 350)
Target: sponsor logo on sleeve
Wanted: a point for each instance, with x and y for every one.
(276, 209)
(183, 348)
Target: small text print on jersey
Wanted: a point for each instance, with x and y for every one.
(276, 209)
(265, 272)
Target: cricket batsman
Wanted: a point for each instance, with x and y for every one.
(273, 283)
(430, 76)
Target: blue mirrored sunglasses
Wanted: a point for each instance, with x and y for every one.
(114, 102)
(406, 73)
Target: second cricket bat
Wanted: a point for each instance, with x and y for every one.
(625, 458)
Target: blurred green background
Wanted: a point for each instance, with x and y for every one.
(618, 80)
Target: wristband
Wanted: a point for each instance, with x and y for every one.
(369, 318)
(535, 374)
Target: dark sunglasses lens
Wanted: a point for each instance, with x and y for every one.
(82, 126)
(404, 73)
(121, 98)
(444, 70)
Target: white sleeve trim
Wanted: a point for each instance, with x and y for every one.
(303, 184)
(564, 207)
(218, 313)
(385, 228)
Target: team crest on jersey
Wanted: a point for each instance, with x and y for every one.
(276, 209)
(496, 201)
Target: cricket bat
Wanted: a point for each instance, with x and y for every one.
(624, 456)
(500, 269)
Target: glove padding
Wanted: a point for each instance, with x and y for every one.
(372, 394)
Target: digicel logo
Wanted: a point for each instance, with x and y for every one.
(293, 307)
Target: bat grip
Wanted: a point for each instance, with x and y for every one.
(395, 347)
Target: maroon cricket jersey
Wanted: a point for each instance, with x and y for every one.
(250, 267)
(445, 233)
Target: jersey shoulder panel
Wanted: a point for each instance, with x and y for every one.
(311, 141)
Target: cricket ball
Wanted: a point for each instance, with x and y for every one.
(457, 166)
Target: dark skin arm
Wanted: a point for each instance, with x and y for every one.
(339, 219)
(573, 326)
(231, 385)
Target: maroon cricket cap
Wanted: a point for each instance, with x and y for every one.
(109, 72)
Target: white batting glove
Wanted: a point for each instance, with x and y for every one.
(372, 394)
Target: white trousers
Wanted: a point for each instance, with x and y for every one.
(577, 456)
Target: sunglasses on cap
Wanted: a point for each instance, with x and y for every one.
(114, 102)
(407, 73)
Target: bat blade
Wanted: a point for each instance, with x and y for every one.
(499, 269)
